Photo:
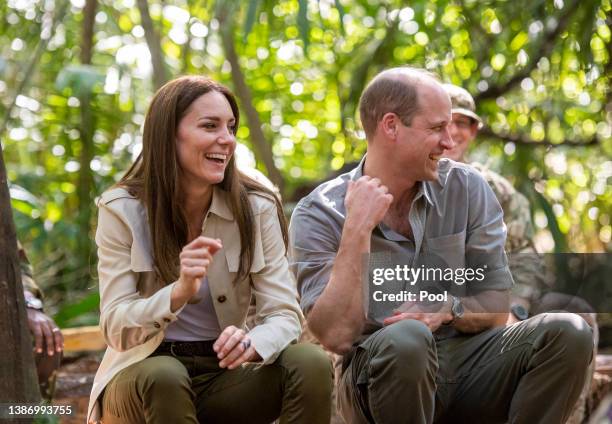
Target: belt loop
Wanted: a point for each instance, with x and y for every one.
(172, 349)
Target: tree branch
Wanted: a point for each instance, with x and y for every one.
(378, 55)
(526, 141)
(262, 148)
(545, 48)
(160, 73)
(482, 52)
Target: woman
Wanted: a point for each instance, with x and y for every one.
(184, 241)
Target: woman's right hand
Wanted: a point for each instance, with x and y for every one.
(195, 258)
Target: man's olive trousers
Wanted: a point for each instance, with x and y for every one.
(167, 389)
(531, 372)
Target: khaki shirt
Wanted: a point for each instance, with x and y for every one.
(135, 307)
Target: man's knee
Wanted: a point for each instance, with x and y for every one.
(409, 344)
(570, 334)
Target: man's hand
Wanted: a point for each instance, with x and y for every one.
(476, 317)
(195, 258)
(430, 319)
(367, 201)
(234, 348)
(413, 310)
(47, 334)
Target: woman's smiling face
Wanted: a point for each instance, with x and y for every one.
(206, 139)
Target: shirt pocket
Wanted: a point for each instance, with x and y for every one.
(446, 251)
(242, 288)
(232, 256)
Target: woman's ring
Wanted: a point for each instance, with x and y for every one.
(55, 330)
(246, 344)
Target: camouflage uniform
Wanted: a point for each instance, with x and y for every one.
(526, 265)
(27, 275)
(46, 366)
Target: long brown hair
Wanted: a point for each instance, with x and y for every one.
(154, 179)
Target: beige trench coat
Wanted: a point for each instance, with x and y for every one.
(135, 308)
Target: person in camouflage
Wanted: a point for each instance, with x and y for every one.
(48, 339)
(532, 292)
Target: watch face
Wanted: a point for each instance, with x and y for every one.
(457, 308)
(519, 312)
(34, 303)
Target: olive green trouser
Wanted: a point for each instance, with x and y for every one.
(166, 389)
(530, 372)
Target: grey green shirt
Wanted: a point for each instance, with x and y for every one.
(456, 218)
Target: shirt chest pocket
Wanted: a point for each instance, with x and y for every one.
(445, 251)
(242, 288)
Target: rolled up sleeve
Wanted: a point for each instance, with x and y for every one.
(313, 248)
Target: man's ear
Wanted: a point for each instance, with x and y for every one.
(389, 125)
(474, 129)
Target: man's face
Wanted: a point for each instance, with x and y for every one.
(463, 130)
(421, 145)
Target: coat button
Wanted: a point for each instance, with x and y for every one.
(221, 298)
(156, 325)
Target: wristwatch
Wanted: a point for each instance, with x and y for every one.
(33, 302)
(457, 310)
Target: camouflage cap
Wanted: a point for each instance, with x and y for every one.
(462, 102)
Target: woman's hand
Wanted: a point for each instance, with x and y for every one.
(195, 257)
(234, 348)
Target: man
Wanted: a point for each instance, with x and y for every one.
(527, 267)
(48, 339)
(459, 364)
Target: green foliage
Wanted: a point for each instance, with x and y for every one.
(540, 72)
(79, 79)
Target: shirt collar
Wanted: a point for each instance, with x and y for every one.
(423, 186)
(220, 204)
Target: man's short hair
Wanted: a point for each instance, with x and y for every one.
(393, 90)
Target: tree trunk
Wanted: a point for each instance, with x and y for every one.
(261, 146)
(87, 128)
(18, 381)
(89, 20)
(160, 74)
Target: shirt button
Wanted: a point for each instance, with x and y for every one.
(221, 298)
(156, 325)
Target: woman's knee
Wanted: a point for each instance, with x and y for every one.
(153, 384)
(163, 374)
(309, 364)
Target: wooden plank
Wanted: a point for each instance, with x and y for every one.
(80, 339)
